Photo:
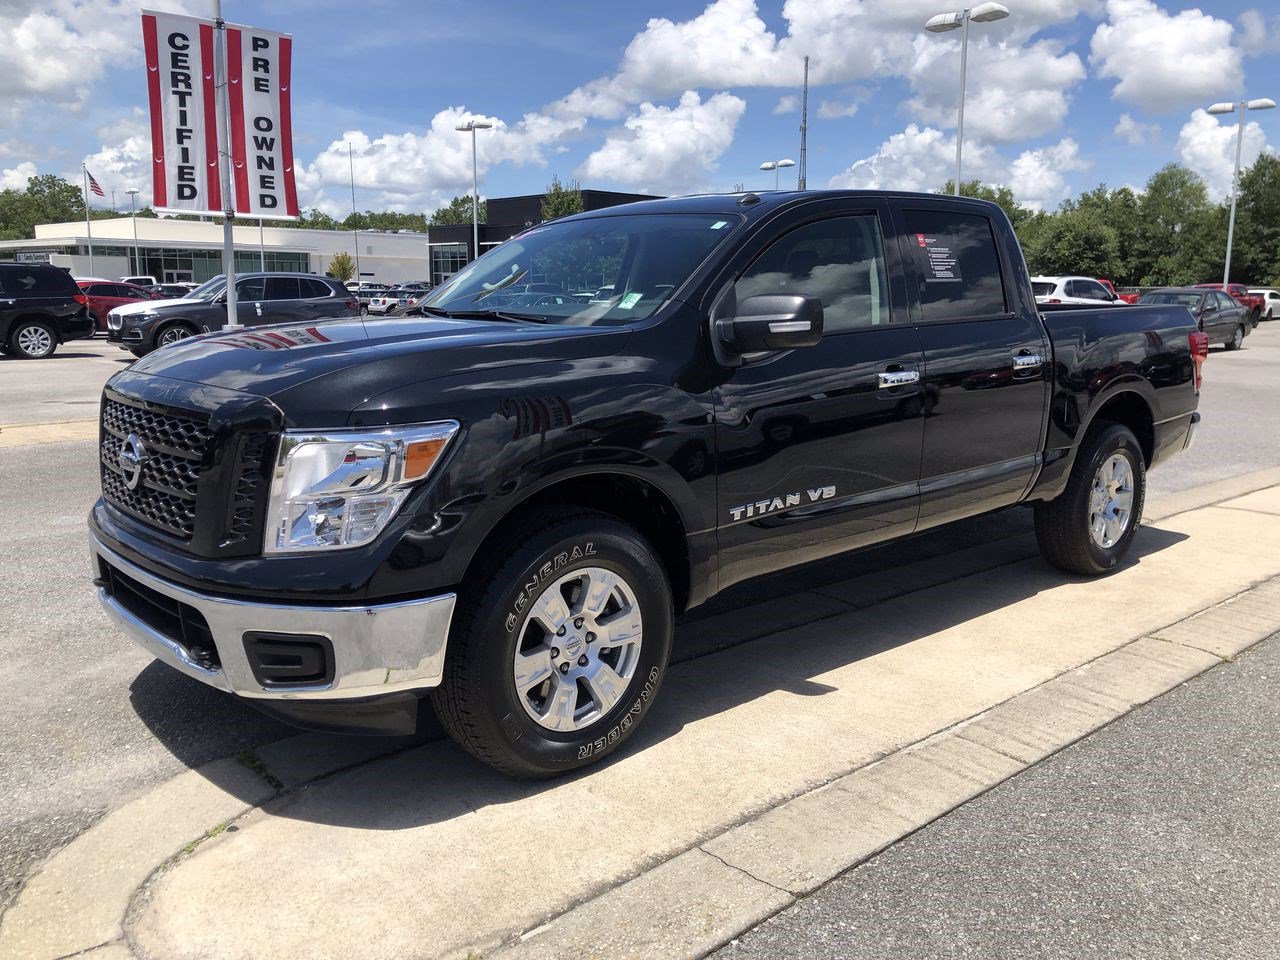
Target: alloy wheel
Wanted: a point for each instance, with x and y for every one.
(35, 341)
(1111, 501)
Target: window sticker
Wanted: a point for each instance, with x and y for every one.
(940, 263)
(719, 224)
(629, 301)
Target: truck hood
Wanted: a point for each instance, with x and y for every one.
(332, 367)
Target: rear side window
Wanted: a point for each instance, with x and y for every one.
(39, 282)
(282, 288)
(313, 289)
(838, 261)
(1225, 302)
(956, 259)
(1043, 289)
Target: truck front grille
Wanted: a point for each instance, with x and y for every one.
(175, 444)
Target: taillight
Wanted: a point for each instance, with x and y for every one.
(1198, 340)
(353, 303)
(81, 299)
(1053, 300)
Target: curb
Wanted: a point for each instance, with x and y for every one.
(705, 897)
(61, 431)
(78, 900)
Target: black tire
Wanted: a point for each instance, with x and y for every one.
(364, 310)
(1254, 317)
(32, 340)
(1063, 525)
(1237, 338)
(478, 702)
(174, 332)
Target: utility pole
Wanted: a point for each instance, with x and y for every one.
(355, 219)
(802, 174)
(221, 75)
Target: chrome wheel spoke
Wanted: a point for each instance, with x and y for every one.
(550, 612)
(606, 686)
(621, 629)
(599, 589)
(533, 669)
(1111, 501)
(561, 705)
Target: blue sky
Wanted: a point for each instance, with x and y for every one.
(671, 97)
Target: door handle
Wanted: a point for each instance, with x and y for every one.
(898, 378)
(1027, 361)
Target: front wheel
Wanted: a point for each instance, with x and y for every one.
(1091, 525)
(1237, 338)
(558, 647)
(174, 333)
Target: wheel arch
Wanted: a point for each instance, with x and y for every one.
(1131, 409)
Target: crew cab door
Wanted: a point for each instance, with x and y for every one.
(818, 449)
(987, 360)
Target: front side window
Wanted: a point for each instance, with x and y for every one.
(250, 289)
(637, 261)
(838, 261)
(959, 268)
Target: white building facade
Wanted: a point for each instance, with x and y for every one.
(175, 251)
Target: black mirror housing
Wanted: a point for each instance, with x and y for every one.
(774, 321)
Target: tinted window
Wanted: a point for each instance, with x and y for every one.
(1091, 290)
(955, 256)
(1191, 300)
(40, 282)
(839, 261)
(1043, 289)
(312, 289)
(250, 289)
(123, 291)
(282, 288)
(1225, 302)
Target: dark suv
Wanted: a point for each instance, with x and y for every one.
(261, 298)
(40, 307)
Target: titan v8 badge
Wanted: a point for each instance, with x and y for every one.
(762, 507)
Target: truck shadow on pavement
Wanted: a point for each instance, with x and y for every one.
(415, 781)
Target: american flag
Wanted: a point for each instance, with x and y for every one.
(93, 185)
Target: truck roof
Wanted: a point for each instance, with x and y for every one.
(756, 204)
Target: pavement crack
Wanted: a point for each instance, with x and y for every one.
(734, 866)
(82, 952)
(994, 749)
(250, 759)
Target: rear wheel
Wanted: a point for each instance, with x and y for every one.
(1254, 317)
(32, 340)
(1237, 338)
(558, 647)
(1091, 525)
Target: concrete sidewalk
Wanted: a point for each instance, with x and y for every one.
(425, 853)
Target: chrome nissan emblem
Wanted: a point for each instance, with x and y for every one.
(131, 457)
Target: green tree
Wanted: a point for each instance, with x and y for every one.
(46, 199)
(1175, 219)
(1255, 257)
(313, 220)
(342, 266)
(1073, 242)
(561, 200)
(457, 211)
(1002, 196)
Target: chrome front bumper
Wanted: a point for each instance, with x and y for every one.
(377, 649)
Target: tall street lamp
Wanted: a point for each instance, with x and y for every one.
(473, 125)
(776, 166)
(133, 212)
(1260, 104)
(959, 19)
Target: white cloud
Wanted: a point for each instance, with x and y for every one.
(1036, 176)
(1135, 133)
(788, 104)
(919, 158)
(1164, 62)
(1209, 148)
(1015, 92)
(15, 178)
(125, 161)
(667, 149)
(1258, 35)
(835, 109)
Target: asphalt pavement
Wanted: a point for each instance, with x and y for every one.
(1158, 837)
(89, 722)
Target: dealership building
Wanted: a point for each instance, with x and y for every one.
(176, 251)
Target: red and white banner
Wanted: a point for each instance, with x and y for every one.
(184, 117)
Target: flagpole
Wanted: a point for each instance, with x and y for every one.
(87, 228)
(222, 82)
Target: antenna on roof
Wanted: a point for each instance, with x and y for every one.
(802, 174)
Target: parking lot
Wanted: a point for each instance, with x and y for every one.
(785, 685)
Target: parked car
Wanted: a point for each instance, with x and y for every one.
(1253, 303)
(1084, 290)
(509, 509)
(393, 300)
(1223, 318)
(1270, 301)
(40, 307)
(104, 296)
(145, 280)
(261, 298)
(1128, 297)
(366, 292)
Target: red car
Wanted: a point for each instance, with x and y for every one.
(1126, 297)
(105, 295)
(1255, 303)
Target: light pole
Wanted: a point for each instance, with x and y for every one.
(1260, 104)
(959, 19)
(133, 213)
(776, 166)
(355, 217)
(473, 125)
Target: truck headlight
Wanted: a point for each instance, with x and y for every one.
(340, 488)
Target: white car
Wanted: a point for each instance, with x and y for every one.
(1270, 301)
(1084, 290)
(394, 300)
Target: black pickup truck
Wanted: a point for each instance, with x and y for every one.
(505, 506)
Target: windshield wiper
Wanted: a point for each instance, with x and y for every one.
(486, 315)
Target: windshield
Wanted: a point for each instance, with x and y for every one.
(1184, 299)
(207, 290)
(600, 271)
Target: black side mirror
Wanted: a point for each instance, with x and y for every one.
(774, 321)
